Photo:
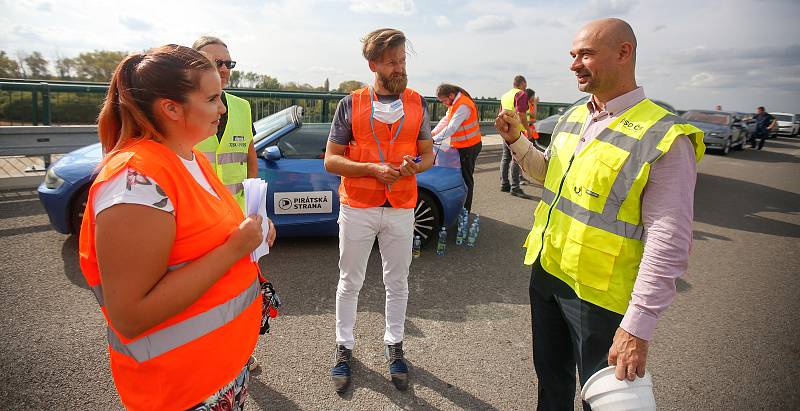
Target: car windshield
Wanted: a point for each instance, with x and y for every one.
(783, 117)
(272, 123)
(713, 118)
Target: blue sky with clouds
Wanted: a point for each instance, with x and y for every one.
(692, 53)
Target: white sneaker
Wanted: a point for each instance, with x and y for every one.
(252, 363)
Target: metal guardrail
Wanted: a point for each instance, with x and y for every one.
(30, 102)
(44, 140)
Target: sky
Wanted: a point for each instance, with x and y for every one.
(693, 54)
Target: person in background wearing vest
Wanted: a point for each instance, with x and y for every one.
(380, 138)
(532, 107)
(460, 124)
(165, 250)
(517, 101)
(230, 150)
(613, 230)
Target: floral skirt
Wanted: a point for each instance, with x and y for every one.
(231, 397)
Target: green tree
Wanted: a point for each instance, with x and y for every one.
(8, 67)
(349, 86)
(65, 68)
(269, 83)
(37, 66)
(98, 65)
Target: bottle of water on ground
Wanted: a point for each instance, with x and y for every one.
(441, 244)
(472, 236)
(463, 221)
(416, 251)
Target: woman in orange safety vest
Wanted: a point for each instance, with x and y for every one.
(164, 246)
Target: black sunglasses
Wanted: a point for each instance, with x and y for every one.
(227, 63)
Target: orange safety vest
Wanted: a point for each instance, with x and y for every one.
(189, 357)
(376, 142)
(532, 134)
(469, 133)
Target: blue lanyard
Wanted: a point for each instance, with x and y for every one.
(372, 125)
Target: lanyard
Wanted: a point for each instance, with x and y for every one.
(372, 125)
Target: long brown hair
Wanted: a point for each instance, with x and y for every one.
(169, 72)
(445, 90)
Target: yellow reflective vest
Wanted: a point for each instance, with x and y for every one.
(228, 155)
(507, 99)
(587, 228)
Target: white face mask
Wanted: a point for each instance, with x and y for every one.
(388, 113)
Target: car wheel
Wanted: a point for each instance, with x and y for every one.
(726, 148)
(427, 217)
(77, 208)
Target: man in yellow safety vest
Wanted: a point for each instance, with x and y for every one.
(612, 231)
(231, 150)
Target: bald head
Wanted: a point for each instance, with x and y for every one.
(604, 57)
(611, 32)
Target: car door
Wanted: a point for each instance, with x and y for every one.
(302, 197)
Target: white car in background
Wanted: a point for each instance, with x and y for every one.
(788, 124)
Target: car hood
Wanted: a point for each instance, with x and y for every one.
(79, 163)
(709, 127)
(547, 125)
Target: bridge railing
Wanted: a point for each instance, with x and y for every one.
(28, 102)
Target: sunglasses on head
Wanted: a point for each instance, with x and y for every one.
(227, 63)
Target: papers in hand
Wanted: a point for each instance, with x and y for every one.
(255, 202)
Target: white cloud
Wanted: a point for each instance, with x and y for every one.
(400, 7)
(609, 8)
(135, 24)
(490, 22)
(442, 21)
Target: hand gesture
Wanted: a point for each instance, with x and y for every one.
(272, 233)
(507, 124)
(629, 354)
(409, 167)
(245, 238)
(385, 173)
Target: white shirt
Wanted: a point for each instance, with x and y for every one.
(132, 187)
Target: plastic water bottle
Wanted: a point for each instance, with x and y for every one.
(441, 245)
(417, 249)
(461, 234)
(472, 237)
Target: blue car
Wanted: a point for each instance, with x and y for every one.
(303, 198)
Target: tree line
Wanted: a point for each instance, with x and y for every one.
(99, 65)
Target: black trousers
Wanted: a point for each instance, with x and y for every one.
(567, 333)
(760, 136)
(468, 157)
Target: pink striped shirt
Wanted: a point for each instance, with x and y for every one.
(667, 214)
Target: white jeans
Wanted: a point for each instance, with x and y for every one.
(358, 228)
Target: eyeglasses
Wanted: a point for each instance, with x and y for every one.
(227, 63)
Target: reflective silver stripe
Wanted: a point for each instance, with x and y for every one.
(465, 137)
(97, 290)
(470, 125)
(602, 221)
(548, 196)
(186, 331)
(234, 188)
(228, 158)
(211, 156)
(571, 127)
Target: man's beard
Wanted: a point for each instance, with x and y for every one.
(395, 84)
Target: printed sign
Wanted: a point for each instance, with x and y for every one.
(303, 202)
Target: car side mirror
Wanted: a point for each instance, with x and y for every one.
(272, 153)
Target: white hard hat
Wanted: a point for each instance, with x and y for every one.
(604, 392)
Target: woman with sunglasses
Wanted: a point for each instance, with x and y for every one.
(164, 246)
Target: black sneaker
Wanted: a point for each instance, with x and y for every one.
(505, 188)
(517, 192)
(340, 373)
(398, 369)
